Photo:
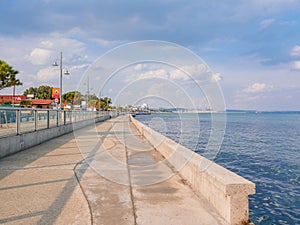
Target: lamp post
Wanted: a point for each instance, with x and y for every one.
(100, 101)
(60, 83)
(88, 92)
(13, 98)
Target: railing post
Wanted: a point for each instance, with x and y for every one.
(57, 118)
(18, 121)
(65, 117)
(0, 118)
(48, 119)
(35, 120)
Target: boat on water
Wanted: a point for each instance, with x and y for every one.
(135, 113)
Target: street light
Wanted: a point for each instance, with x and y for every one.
(88, 92)
(61, 72)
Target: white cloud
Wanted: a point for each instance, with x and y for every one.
(47, 74)
(160, 73)
(178, 74)
(217, 77)
(39, 56)
(140, 67)
(258, 87)
(78, 67)
(47, 44)
(265, 23)
(106, 43)
(195, 69)
(295, 51)
(296, 65)
(198, 72)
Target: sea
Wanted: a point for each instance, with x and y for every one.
(262, 147)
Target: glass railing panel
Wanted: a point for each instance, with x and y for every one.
(42, 117)
(68, 117)
(27, 120)
(60, 118)
(53, 118)
(7, 122)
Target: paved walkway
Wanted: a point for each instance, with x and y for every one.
(109, 175)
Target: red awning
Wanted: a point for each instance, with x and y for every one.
(41, 101)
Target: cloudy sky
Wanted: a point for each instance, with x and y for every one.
(253, 46)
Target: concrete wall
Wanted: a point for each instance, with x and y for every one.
(12, 144)
(226, 191)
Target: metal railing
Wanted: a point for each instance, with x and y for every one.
(15, 121)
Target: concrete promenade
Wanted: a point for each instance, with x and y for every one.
(114, 177)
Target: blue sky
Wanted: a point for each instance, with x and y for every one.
(253, 45)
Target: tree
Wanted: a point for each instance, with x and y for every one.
(8, 76)
(93, 97)
(31, 91)
(41, 92)
(94, 103)
(73, 97)
(7, 103)
(44, 92)
(104, 103)
(25, 103)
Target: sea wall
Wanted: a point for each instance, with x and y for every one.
(12, 144)
(226, 191)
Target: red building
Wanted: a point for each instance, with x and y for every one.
(10, 98)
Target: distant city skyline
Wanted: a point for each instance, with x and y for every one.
(253, 47)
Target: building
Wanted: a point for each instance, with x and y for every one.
(35, 103)
(42, 103)
(12, 99)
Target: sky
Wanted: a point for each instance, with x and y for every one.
(251, 47)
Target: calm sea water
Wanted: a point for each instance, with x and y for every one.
(264, 148)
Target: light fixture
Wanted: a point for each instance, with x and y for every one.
(66, 72)
(55, 64)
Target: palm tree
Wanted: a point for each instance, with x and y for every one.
(8, 76)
